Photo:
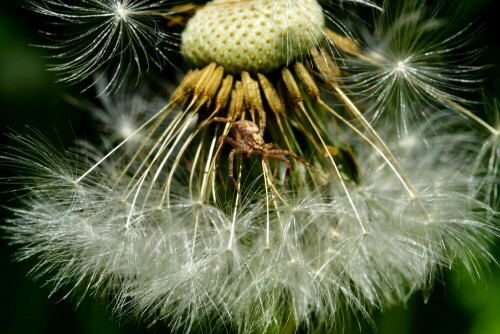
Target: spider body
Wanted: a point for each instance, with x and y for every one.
(247, 134)
(248, 139)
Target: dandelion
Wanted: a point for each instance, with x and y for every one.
(308, 211)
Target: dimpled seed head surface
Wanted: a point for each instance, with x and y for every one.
(252, 35)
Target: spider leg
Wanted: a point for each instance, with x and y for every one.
(299, 159)
(216, 119)
(288, 167)
(180, 14)
(271, 146)
(237, 150)
(231, 167)
(220, 142)
(174, 21)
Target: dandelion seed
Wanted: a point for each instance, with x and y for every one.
(413, 62)
(123, 38)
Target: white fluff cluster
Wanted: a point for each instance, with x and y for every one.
(198, 261)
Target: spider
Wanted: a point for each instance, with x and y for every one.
(249, 140)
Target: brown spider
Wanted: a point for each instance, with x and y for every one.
(248, 140)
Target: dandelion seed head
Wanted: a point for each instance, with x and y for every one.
(253, 36)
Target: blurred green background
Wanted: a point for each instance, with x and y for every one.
(30, 97)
